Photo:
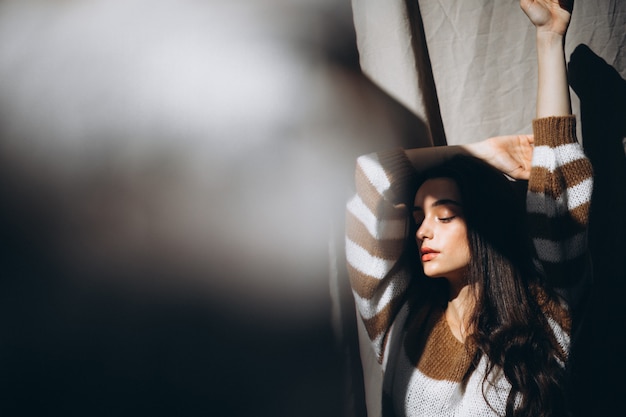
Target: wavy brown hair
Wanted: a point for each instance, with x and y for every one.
(512, 297)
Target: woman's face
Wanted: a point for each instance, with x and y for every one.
(441, 230)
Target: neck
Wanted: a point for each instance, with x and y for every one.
(459, 311)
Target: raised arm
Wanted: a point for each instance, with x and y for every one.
(551, 19)
(510, 154)
(376, 236)
(561, 182)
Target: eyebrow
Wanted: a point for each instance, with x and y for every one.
(441, 202)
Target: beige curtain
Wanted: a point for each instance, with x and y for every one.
(471, 64)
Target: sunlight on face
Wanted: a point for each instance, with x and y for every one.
(441, 230)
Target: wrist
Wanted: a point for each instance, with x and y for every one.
(477, 149)
(549, 39)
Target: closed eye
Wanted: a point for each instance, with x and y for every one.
(446, 219)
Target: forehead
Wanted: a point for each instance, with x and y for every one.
(436, 189)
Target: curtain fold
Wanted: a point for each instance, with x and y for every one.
(469, 67)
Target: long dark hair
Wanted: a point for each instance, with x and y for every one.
(512, 299)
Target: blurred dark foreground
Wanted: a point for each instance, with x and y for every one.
(172, 182)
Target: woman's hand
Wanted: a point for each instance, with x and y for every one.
(550, 16)
(510, 154)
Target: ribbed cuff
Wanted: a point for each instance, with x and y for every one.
(401, 175)
(555, 130)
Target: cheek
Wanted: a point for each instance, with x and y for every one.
(466, 251)
(462, 242)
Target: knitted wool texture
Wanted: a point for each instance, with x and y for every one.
(424, 364)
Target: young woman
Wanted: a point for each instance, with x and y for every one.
(453, 280)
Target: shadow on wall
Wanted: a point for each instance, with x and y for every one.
(602, 94)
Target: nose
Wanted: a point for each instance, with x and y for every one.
(424, 231)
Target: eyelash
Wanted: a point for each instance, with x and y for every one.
(441, 219)
(446, 219)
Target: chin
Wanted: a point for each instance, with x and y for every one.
(434, 275)
(433, 272)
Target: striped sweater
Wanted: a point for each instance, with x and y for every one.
(422, 363)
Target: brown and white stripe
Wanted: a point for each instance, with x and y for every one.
(375, 239)
(559, 197)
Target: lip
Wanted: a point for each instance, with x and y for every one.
(428, 254)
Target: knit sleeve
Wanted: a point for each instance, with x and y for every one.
(558, 199)
(376, 230)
